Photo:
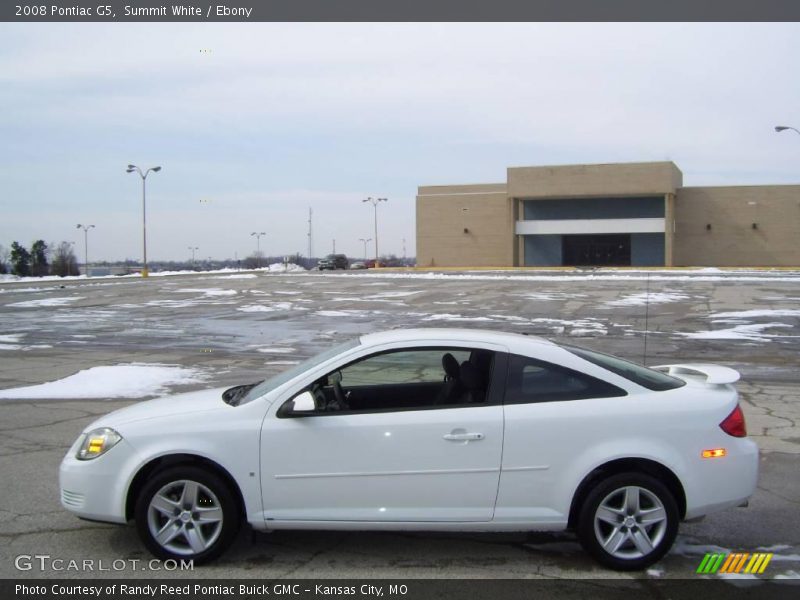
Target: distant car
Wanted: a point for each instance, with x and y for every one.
(370, 264)
(357, 265)
(333, 262)
(429, 429)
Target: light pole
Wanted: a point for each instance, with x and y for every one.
(86, 229)
(193, 248)
(143, 175)
(374, 202)
(365, 245)
(258, 247)
(780, 128)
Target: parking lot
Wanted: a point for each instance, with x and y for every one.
(230, 328)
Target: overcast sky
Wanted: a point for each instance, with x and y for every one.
(254, 123)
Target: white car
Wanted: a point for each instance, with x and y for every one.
(428, 429)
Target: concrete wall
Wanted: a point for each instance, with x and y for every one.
(731, 212)
(444, 212)
(628, 179)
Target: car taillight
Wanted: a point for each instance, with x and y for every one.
(734, 424)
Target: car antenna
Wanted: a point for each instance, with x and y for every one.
(646, 318)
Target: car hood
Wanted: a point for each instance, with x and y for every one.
(181, 404)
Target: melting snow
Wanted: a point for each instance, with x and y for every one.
(134, 380)
(46, 302)
(643, 298)
(752, 332)
(451, 317)
(276, 350)
(207, 292)
(746, 314)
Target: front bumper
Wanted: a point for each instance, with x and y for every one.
(96, 489)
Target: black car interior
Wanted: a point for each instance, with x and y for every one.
(465, 383)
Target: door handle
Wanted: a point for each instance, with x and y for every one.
(462, 437)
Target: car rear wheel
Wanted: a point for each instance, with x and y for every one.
(628, 521)
(187, 513)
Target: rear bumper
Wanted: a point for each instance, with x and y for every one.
(726, 482)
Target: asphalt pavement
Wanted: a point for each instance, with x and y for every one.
(241, 327)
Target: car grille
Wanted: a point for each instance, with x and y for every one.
(73, 499)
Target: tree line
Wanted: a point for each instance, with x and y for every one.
(40, 260)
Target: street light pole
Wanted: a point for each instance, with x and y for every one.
(374, 202)
(258, 247)
(780, 128)
(143, 175)
(365, 245)
(86, 229)
(193, 248)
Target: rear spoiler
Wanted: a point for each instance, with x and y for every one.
(714, 374)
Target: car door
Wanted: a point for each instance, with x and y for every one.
(413, 460)
(552, 415)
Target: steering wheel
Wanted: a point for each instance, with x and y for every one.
(341, 398)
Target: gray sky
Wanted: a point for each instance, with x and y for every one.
(254, 123)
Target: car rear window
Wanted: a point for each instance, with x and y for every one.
(638, 374)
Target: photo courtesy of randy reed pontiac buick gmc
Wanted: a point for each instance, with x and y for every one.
(427, 429)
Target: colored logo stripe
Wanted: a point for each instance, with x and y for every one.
(734, 563)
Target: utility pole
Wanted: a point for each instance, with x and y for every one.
(374, 202)
(143, 175)
(258, 247)
(86, 229)
(310, 239)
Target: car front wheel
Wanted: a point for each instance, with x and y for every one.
(628, 521)
(187, 513)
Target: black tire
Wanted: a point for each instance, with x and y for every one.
(628, 521)
(197, 526)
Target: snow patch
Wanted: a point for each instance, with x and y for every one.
(748, 314)
(11, 338)
(41, 302)
(751, 332)
(207, 292)
(276, 350)
(135, 380)
(643, 298)
(453, 317)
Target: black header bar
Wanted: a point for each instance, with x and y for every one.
(63, 11)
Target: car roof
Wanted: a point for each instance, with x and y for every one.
(453, 334)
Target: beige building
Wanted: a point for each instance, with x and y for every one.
(630, 214)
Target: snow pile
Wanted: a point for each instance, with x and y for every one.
(135, 380)
(282, 268)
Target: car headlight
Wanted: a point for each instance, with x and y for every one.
(97, 442)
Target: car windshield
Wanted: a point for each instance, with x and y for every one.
(281, 378)
(647, 378)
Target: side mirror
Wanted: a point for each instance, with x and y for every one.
(300, 406)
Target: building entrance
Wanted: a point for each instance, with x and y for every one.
(596, 250)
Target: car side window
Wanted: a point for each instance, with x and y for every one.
(417, 378)
(531, 381)
(398, 368)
